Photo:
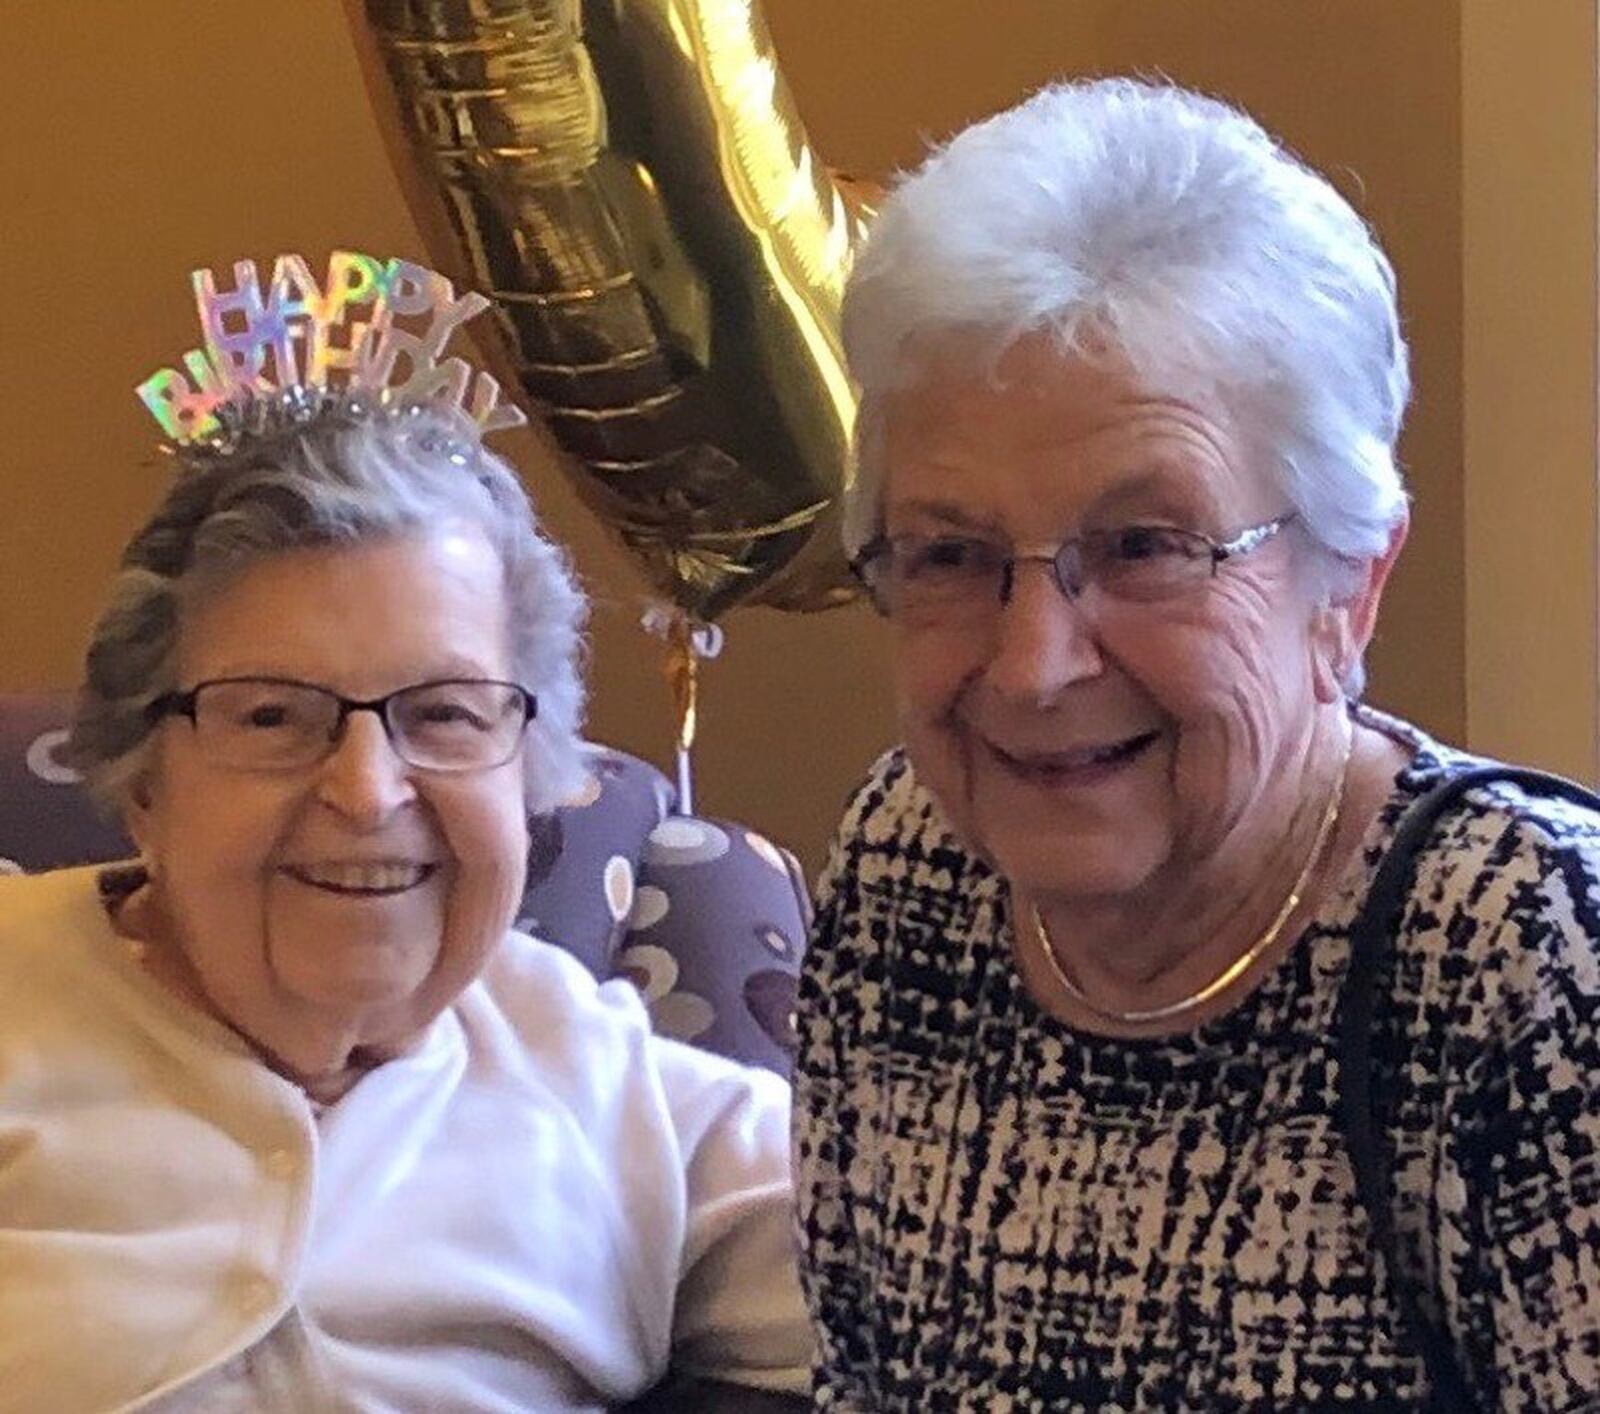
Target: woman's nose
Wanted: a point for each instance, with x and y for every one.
(363, 778)
(1043, 641)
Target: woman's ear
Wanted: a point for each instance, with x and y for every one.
(1344, 623)
(136, 812)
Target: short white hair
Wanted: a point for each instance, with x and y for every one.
(1174, 230)
(333, 483)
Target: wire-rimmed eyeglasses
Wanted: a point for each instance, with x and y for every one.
(933, 577)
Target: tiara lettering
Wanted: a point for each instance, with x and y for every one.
(374, 333)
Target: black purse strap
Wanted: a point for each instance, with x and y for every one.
(1371, 941)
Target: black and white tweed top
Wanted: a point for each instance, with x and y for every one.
(1001, 1213)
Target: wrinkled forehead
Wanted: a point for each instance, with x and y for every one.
(1173, 352)
(1074, 434)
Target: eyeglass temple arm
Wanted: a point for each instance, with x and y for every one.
(1247, 540)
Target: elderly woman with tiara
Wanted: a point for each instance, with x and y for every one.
(290, 1117)
(1178, 1032)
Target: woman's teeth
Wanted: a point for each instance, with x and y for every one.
(382, 878)
(1052, 761)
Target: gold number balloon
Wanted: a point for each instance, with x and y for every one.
(629, 183)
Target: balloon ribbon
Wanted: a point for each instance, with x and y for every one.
(688, 640)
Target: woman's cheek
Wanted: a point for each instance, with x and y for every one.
(1216, 717)
(1238, 719)
(490, 845)
(928, 689)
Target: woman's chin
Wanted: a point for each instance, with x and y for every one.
(355, 976)
(1061, 867)
(1106, 839)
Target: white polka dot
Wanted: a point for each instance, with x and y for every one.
(42, 759)
(10, 866)
(619, 887)
(682, 1015)
(650, 906)
(585, 795)
(680, 840)
(653, 970)
(767, 852)
(680, 833)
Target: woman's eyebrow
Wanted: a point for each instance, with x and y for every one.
(947, 512)
(446, 669)
(1151, 489)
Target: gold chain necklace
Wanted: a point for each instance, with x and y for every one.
(1235, 969)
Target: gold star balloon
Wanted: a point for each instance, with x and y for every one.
(629, 183)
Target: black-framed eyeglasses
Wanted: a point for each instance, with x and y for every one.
(928, 578)
(282, 724)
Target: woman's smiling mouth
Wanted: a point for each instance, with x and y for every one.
(362, 878)
(1079, 766)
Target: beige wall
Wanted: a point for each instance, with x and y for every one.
(1529, 368)
(174, 133)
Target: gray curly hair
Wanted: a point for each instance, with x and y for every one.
(333, 482)
(1173, 229)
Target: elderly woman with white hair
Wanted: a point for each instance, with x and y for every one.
(291, 1118)
(1177, 1032)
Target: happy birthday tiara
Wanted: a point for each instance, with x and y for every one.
(368, 341)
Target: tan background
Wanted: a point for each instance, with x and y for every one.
(146, 139)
